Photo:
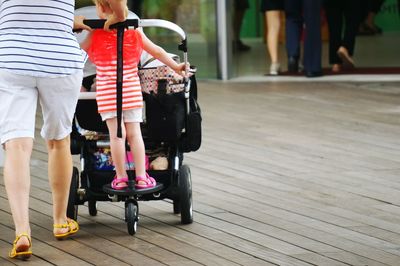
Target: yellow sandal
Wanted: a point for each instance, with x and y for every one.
(72, 225)
(23, 252)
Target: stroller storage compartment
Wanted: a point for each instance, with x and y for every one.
(165, 116)
(191, 139)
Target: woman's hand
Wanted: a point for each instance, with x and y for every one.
(79, 25)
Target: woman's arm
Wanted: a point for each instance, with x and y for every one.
(85, 44)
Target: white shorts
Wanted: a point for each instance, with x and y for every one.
(129, 116)
(19, 95)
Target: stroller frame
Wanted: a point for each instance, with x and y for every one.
(94, 185)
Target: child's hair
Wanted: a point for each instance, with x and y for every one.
(101, 2)
(106, 4)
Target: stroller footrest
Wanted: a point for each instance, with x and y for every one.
(132, 192)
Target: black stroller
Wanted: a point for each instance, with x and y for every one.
(172, 127)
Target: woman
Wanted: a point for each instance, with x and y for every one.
(39, 59)
(342, 13)
(272, 10)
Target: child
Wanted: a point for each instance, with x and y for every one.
(101, 47)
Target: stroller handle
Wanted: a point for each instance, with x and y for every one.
(163, 24)
(160, 23)
(99, 23)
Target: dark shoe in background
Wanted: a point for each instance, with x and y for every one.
(375, 28)
(313, 74)
(293, 65)
(241, 47)
(366, 29)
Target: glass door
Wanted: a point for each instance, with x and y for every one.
(198, 20)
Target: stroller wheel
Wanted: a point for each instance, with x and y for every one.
(185, 195)
(72, 208)
(131, 216)
(92, 204)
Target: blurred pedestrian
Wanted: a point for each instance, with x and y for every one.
(299, 14)
(272, 10)
(369, 9)
(240, 9)
(342, 14)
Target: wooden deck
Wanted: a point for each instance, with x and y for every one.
(288, 174)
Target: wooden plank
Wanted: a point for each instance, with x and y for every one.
(108, 246)
(318, 241)
(299, 217)
(251, 241)
(84, 248)
(44, 254)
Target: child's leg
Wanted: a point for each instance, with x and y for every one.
(134, 136)
(117, 148)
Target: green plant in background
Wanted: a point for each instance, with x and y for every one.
(162, 9)
(82, 3)
(388, 18)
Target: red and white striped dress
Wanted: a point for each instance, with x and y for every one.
(103, 53)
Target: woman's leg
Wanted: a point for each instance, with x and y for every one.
(294, 27)
(118, 151)
(134, 136)
(58, 106)
(352, 18)
(273, 27)
(60, 173)
(17, 183)
(334, 17)
(373, 9)
(18, 96)
(369, 9)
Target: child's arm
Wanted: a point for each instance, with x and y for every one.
(160, 54)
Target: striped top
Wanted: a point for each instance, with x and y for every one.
(36, 38)
(103, 53)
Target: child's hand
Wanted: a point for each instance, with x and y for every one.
(79, 25)
(181, 69)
